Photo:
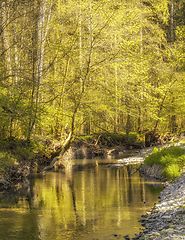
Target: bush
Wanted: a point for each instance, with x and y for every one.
(6, 160)
(172, 171)
(171, 160)
(112, 139)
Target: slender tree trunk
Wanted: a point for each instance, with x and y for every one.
(80, 54)
(58, 122)
(173, 117)
(38, 39)
(6, 37)
(116, 88)
(6, 52)
(128, 123)
(172, 35)
(139, 120)
(84, 82)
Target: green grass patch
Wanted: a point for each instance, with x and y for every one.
(171, 160)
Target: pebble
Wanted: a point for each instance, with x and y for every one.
(166, 220)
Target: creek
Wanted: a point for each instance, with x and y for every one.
(91, 202)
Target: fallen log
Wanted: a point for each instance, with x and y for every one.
(65, 147)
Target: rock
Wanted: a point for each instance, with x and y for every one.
(167, 218)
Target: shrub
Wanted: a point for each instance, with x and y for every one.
(6, 160)
(172, 171)
(155, 150)
(171, 160)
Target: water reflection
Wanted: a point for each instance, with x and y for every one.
(93, 203)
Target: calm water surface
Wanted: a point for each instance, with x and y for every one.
(90, 203)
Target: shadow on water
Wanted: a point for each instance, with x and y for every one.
(92, 203)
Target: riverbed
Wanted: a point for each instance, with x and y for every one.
(91, 202)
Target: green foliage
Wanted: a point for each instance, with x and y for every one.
(86, 137)
(172, 171)
(164, 156)
(114, 64)
(112, 139)
(132, 137)
(6, 160)
(172, 160)
(24, 152)
(21, 150)
(155, 150)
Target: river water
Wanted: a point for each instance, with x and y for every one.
(91, 202)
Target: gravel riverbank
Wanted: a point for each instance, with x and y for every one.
(167, 218)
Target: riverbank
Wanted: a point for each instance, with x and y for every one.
(18, 157)
(166, 220)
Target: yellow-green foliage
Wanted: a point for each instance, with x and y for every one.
(172, 160)
(172, 171)
(115, 138)
(6, 160)
(155, 150)
(19, 150)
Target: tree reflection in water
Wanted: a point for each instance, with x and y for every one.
(94, 202)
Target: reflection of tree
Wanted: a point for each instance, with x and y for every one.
(119, 197)
(82, 201)
(143, 194)
(70, 179)
(130, 193)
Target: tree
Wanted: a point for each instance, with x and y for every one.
(88, 66)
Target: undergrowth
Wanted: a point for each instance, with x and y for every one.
(171, 160)
(112, 139)
(6, 160)
(19, 151)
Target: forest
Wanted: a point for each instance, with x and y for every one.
(73, 69)
(91, 66)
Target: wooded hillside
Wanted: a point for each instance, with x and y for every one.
(93, 66)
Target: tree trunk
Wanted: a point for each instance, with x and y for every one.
(38, 39)
(128, 123)
(6, 38)
(172, 37)
(116, 88)
(84, 82)
(66, 145)
(139, 120)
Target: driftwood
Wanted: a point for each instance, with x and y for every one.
(65, 147)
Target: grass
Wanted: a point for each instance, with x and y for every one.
(171, 160)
